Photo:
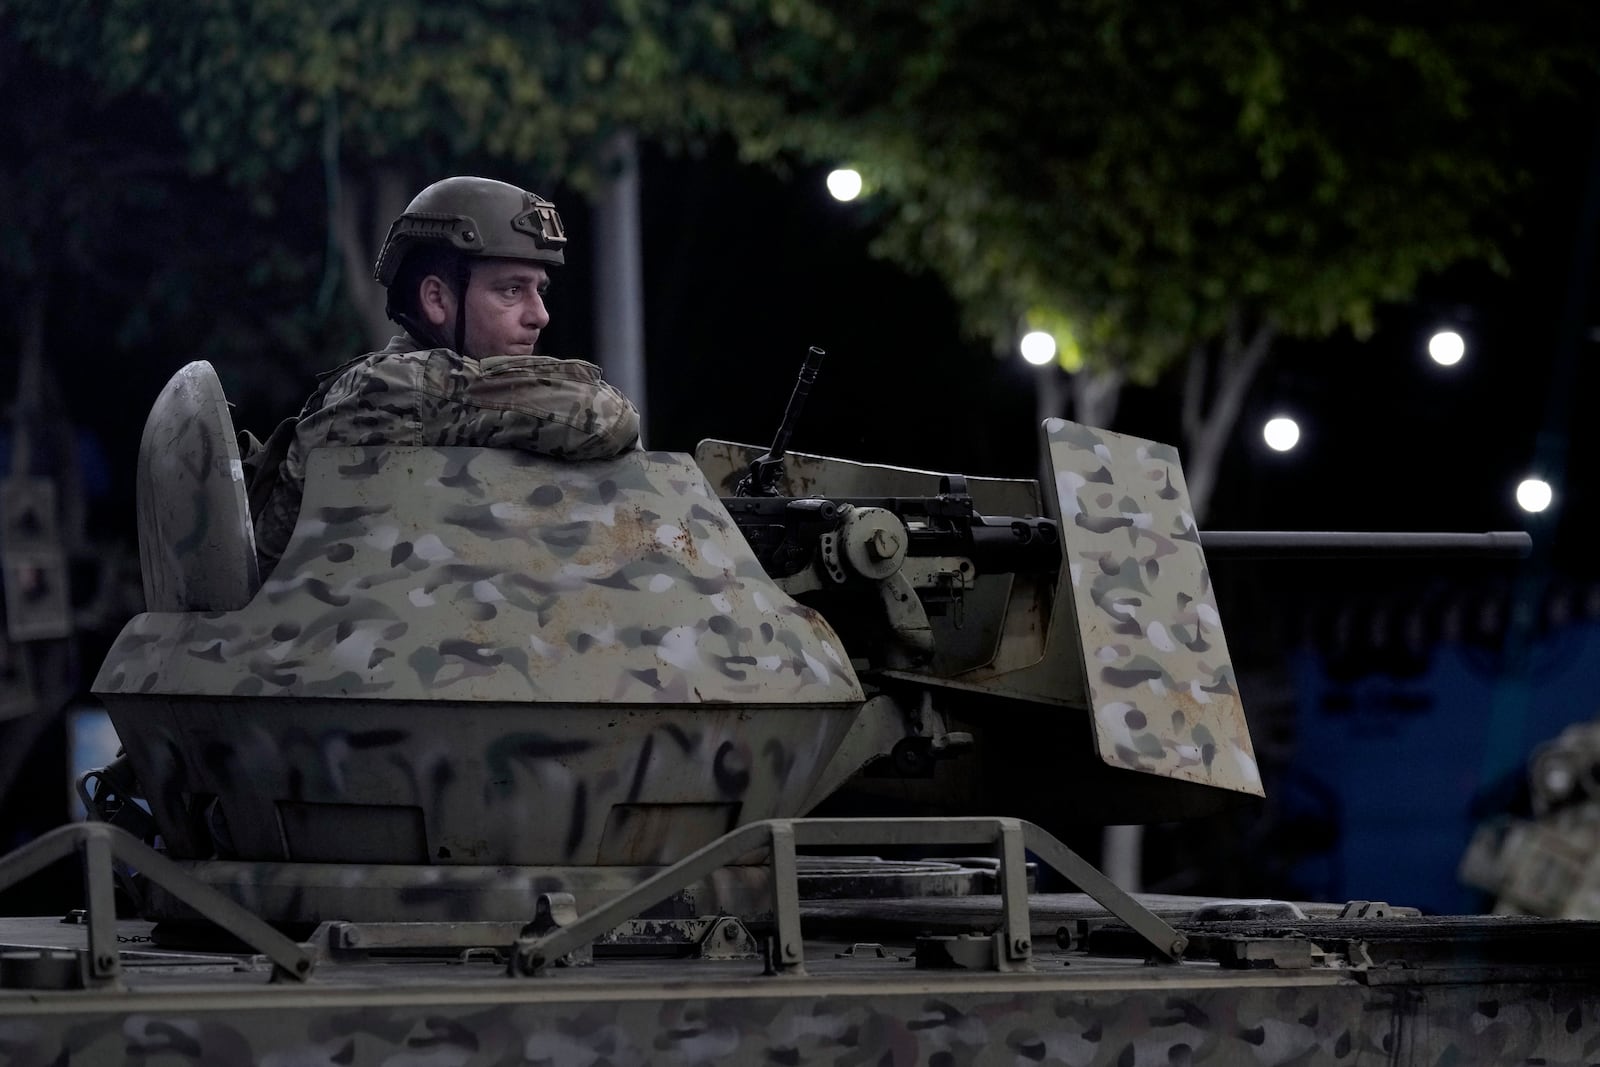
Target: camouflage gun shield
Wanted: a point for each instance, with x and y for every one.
(1162, 691)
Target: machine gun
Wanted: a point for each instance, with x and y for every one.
(937, 546)
(788, 533)
(957, 595)
(816, 543)
(870, 536)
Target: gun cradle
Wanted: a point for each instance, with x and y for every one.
(1108, 611)
(890, 551)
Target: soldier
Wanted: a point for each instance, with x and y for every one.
(466, 267)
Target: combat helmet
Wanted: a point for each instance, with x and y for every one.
(476, 218)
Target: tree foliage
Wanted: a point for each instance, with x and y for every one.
(1147, 178)
(380, 98)
(255, 84)
(1139, 179)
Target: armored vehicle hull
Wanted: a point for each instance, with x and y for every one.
(508, 762)
(1306, 992)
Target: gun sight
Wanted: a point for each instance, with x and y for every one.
(767, 470)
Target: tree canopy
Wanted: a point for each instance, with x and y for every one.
(1141, 182)
(1145, 179)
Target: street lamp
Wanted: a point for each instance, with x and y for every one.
(844, 183)
(1534, 494)
(1282, 433)
(1446, 348)
(1038, 347)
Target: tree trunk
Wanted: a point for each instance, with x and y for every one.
(40, 672)
(618, 272)
(1207, 428)
(44, 441)
(1095, 395)
(361, 209)
(1213, 395)
(1094, 403)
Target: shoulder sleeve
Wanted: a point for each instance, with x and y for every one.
(563, 408)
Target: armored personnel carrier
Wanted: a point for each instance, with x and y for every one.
(509, 760)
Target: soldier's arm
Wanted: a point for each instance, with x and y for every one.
(562, 408)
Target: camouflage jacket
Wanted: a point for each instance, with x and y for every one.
(410, 395)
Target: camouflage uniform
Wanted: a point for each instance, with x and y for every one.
(408, 394)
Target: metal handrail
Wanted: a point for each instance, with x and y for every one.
(1012, 838)
(98, 843)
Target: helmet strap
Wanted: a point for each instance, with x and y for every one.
(417, 328)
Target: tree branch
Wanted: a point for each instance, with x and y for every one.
(1207, 438)
(1095, 395)
(357, 253)
(1194, 386)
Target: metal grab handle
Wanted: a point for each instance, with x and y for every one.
(99, 843)
(1012, 838)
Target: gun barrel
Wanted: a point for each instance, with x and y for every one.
(1288, 544)
(797, 401)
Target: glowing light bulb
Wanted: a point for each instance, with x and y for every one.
(1038, 347)
(1281, 433)
(1446, 348)
(844, 184)
(1534, 494)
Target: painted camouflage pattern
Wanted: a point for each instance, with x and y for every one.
(195, 540)
(1135, 1020)
(365, 782)
(498, 658)
(410, 395)
(1548, 864)
(1162, 690)
(468, 574)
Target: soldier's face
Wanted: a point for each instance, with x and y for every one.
(505, 308)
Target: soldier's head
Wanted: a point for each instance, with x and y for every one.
(467, 263)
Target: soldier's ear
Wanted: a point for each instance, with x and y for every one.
(437, 302)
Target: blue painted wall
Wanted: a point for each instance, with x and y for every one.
(1405, 756)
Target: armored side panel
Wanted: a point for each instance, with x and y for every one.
(196, 544)
(485, 657)
(1163, 695)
